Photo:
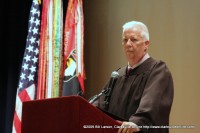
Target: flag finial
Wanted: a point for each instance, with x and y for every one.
(39, 1)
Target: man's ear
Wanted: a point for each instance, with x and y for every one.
(146, 44)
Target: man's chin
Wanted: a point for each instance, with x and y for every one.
(130, 56)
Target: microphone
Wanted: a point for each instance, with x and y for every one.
(107, 92)
(94, 98)
(114, 77)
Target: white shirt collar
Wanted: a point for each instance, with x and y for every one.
(145, 57)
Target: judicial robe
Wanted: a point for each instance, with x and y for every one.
(143, 96)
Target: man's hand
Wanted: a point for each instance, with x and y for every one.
(128, 127)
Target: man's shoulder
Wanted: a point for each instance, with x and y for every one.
(158, 62)
(151, 59)
(161, 65)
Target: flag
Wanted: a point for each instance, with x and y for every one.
(74, 75)
(41, 92)
(50, 56)
(28, 76)
(57, 37)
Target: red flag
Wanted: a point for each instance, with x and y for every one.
(73, 49)
(42, 67)
(28, 76)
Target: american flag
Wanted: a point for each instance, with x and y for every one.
(26, 90)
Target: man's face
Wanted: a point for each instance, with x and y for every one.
(134, 45)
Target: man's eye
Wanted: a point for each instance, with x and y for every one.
(125, 40)
(133, 40)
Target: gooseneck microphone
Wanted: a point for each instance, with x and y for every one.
(107, 91)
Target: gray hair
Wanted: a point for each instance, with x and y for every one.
(140, 25)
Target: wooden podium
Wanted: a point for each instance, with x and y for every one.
(71, 114)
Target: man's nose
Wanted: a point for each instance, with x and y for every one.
(129, 42)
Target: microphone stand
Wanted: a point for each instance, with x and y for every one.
(94, 98)
(107, 99)
(107, 94)
(108, 91)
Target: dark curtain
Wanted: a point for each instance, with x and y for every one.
(14, 24)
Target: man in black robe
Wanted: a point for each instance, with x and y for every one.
(143, 93)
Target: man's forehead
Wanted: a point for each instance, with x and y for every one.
(132, 32)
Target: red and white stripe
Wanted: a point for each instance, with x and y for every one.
(25, 95)
(80, 44)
